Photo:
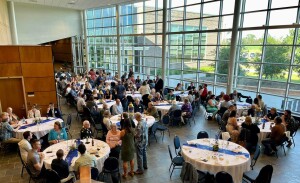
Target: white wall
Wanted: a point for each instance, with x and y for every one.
(5, 36)
(38, 24)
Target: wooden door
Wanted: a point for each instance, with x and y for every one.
(12, 95)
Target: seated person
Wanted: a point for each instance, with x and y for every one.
(170, 95)
(34, 112)
(191, 87)
(289, 121)
(227, 113)
(249, 133)
(6, 130)
(114, 141)
(106, 120)
(232, 127)
(212, 105)
(53, 111)
(236, 96)
(272, 114)
(104, 108)
(157, 97)
(117, 108)
(108, 95)
(13, 118)
(173, 107)
(138, 107)
(178, 87)
(85, 159)
(91, 104)
(186, 108)
(60, 165)
(81, 103)
(253, 110)
(24, 145)
(125, 116)
(277, 134)
(35, 160)
(57, 134)
(220, 97)
(191, 97)
(86, 131)
(226, 103)
(152, 111)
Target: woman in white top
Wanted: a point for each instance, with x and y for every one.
(34, 112)
(144, 89)
(25, 146)
(106, 119)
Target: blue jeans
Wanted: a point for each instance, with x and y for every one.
(141, 156)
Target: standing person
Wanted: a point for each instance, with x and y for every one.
(289, 121)
(127, 148)
(141, 141)
(144, 89)
(203, 93)
(53, 111)
(159, 84)
(130, 74)
(35, 160)
(24, 145)
(114, 141)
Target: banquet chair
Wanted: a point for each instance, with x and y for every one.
(163, 128)
(94, 173)
(264, 176)
(222, 111)
(219, 119)
(31, 177)
(223, 177)
(97, 127)
(175, 162)
(152, 132)
(23, 163)
(177, 145)
(68, 125)
(52, 176)
(176, 117)
(202, 135)
(281, 144)
(110, 171)
(191, 117)
(296, 127)
(255, 157)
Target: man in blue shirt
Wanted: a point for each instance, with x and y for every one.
(6, 133)
(120, 90)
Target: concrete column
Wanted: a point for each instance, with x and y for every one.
(118, 41)
(164, 41)
(87, 67)
(234, 35)
(12, 22)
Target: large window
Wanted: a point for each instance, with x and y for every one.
(198, 44)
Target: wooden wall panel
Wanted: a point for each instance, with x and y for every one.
(39, 84)
(36, 54)
(9, 54)
(37, 69)
(10, 69)
(41, 98)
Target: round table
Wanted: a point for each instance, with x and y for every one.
(110, 81)
(135, 95)
(39, 130)
(108, 102)
(264, 132)
(231, 157)
(100, 149)
(149, 119)
(164, 107)
(182, 94)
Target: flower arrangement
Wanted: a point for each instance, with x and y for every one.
(37, 120)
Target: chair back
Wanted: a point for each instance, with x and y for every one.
(218, 119)
(111, 109)
(265, 174)
(111, 164)
(178, 98)
(177, 113)
(177, 144)
(52, 176)
(154, 128)
(166, 119)
(295, 128)
(202, 135)
(255, 157)
(223, 177)
(19, 154)
(166, 91)
(222, 111)
(94, 173)
(170, 153)
(69, 121)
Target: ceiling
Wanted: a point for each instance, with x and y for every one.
(75, 4)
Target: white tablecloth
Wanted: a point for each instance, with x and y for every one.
(182, 94)
(242, 107)
(235, 165)
(110, 81)
(135, 95)
(103, 152)
(109, 104)
(38, 130)
(263, 132)
(164, 107)
(149, 119)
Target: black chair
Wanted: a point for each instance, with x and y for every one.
(152, 132)
(94, 173)
(223, 177)
(219, 119)
(162, 129)
(176, 117)
(296, 127)
(264, 176)
(223, 126)
(255, 157)
(222, 111)
(177, 145)
(110, 170)
(68, 125)
(145, 100)
(130, 99)
(31, 177)
(178, 98)
(202, 135)
(192, 117)
(281, 144)
(23, 163)
(52, 176)
(97, 127)
(79, 114)
(175, 162)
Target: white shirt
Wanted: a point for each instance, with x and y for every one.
(144, 90)
(117, 109)
(24, 147)
(36, 114)
(80, 104)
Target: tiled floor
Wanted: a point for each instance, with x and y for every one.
(286, 168)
